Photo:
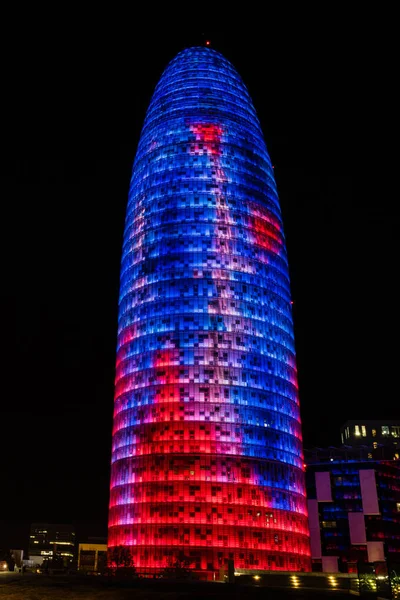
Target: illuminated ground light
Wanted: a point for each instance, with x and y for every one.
(295, 581)
(207, 455)
(332, 581)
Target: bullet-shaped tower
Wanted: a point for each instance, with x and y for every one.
(207, 456)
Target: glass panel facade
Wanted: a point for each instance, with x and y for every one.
(207, 450)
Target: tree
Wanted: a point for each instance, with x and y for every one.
(120, 561)
(178, 566)
(54, 562)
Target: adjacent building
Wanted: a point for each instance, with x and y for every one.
(49, 541)
(207, 456)
(382, 437)
(92, 557)
(354, 509)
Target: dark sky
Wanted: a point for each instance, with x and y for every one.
(75, 104)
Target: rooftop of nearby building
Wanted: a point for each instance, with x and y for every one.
(346, 453)
(371, 422)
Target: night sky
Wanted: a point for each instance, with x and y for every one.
(75, 105)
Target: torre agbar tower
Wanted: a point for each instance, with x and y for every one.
(207, 456)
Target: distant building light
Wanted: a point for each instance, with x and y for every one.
(62, 543)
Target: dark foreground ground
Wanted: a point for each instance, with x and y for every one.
(44, 587)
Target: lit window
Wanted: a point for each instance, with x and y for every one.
(373, 432)
(357, 430)
(398, 506)
(375, 445)
(385, 430)
(347, 432)
(395, 431)
(363, 431)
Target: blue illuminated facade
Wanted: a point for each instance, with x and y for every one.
(207, 453)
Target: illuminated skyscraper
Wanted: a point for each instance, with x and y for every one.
(207, 453)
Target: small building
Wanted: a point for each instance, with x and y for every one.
(354, 508)
(92, 557)
(18, 557)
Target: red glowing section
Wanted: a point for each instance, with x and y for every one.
(209, 135)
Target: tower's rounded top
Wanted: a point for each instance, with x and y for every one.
(204, 52)
(201, 90)
(200, 82)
